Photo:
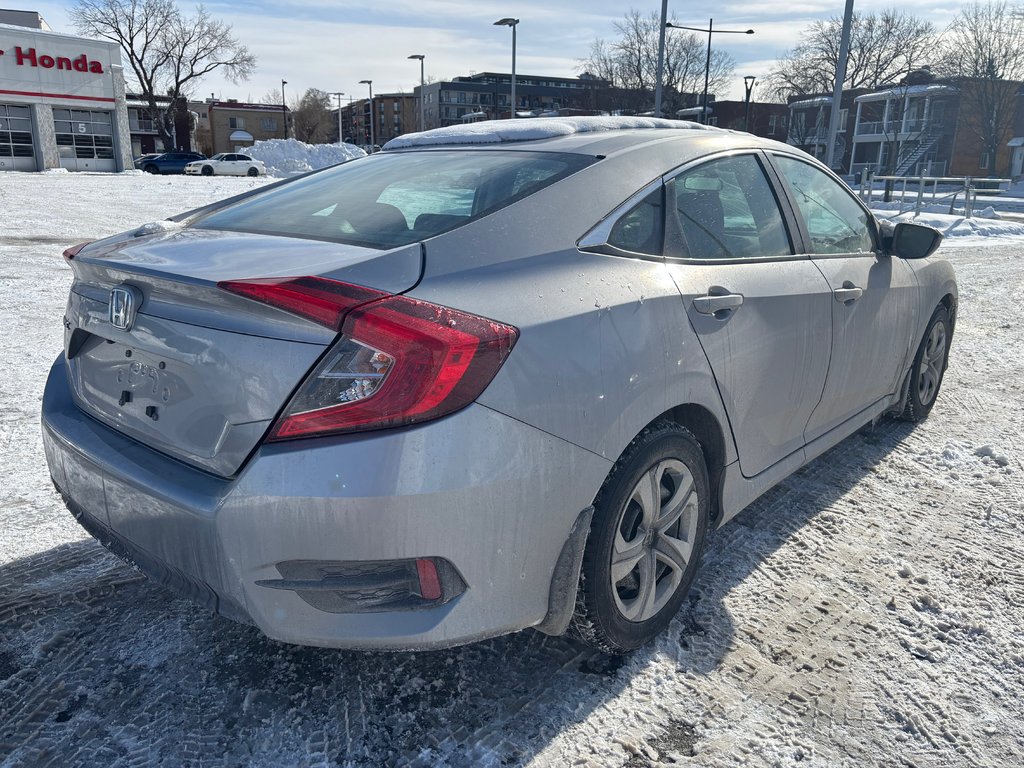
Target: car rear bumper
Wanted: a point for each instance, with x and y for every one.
(490, 495)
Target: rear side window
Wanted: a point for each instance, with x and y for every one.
(387, 200)
(725, 209)
(640, 230)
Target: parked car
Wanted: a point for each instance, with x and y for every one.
(168, 162)
(141, 159)
(227, 164)
(447, 392)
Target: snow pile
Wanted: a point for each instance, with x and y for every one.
(986, 228)
(497, 131)
(288, 157)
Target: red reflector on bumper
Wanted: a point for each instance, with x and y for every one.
(430, 583)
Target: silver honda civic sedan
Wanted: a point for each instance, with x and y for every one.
(498, 376)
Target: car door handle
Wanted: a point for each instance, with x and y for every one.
(716, 304)
(849, 292)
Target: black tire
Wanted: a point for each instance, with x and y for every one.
(151, 169)
(252, 172)
(619, 616)
(207, 170)
(930, 362)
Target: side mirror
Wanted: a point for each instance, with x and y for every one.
(914, 241)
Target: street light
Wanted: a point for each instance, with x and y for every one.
(510, 22)
(284, 108)
(748, 84)
(707, 64)
(339, 94)
(369, 84)
(423, 121)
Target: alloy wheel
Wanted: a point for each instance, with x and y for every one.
(654, 540)
(931, 364)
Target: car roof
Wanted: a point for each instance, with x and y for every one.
(583, 135)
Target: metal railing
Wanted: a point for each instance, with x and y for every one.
(965, 185)
(893, 127)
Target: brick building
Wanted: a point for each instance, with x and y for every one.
(231, 126)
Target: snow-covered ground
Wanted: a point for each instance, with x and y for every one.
(865, 612)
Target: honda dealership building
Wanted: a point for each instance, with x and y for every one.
(62, 102)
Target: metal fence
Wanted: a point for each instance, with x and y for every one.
(915, 189)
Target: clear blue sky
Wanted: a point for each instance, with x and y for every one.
(333, 44)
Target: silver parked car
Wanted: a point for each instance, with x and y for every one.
(501, 376)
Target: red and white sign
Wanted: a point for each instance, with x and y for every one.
(50, 67)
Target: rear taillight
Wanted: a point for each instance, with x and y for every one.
(71, 252)
(315, 298)
(398, 360)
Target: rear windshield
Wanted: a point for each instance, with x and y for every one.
(387, 200)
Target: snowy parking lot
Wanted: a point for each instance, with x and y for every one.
(866, 611)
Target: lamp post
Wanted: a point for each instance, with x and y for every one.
(339, 94)
(510, 22)
(423, 121)
(369, 84)
(660, 72)
(707, 64)
(284, 108)
(748, 84)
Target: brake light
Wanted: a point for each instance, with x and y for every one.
(315, 298)
(399, 361)
(71, 252)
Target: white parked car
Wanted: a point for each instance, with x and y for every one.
(227, 164)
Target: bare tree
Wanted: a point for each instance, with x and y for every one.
(311, 117)
(167, 52)
(981, 51)
(884, 47)
(630, 62)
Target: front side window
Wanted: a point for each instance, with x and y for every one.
(391, 199)
(725, 209)
(835, 221)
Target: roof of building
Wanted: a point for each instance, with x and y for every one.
(908, 90)
(241, 105)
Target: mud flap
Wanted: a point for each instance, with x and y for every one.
(566, 578)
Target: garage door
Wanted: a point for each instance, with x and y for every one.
(17, 151)
(85, 139)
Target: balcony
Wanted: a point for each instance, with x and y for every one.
(893, 127)
(136, 125)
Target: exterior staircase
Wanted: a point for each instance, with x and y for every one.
(913, 151)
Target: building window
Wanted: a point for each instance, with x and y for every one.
(843, 115)
(984, 162)
(83, 134)
(236, 123)
(268, 124)
(799, 122)
(15, 131)
(772, 119)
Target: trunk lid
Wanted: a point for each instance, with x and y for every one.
(200, 373)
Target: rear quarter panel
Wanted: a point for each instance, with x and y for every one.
(605, 346)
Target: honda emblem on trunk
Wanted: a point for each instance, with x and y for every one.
(124, 304)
